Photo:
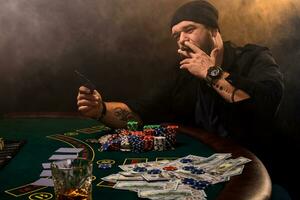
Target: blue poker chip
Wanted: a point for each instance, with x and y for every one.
(198, 187)
(188, 181)
(188, 168)
(104, 166)
(154, 171)
(204, 183)
(201, 185)
(140, 169)
(197, 171)
(186, 160)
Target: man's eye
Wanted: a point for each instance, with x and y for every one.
(189, 30)
(176, 37)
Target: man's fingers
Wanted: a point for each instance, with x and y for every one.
(84, 109)
(87, 97)
(185, 61)
(187, 67)
(193, 47)
(84, 90)
(97, 95)
(184, 53)
(87, 103)
(182, 67)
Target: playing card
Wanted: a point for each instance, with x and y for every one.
(46, 173)
(43, 182)
(69, 150)
(46, 165)
(62, 157)
(111, 178)
(85, 81)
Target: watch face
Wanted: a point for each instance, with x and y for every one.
(215, 72)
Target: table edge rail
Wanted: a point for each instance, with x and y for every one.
(253, 184)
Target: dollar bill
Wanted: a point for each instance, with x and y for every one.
(156, 177)
(118, 177)
(234, 172)
(154, 164)
(139, 185)
(165, 194)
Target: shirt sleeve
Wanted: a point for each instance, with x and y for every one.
(264, 84)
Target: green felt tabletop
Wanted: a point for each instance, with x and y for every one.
(43, 137)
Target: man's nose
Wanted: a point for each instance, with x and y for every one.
(183, 37)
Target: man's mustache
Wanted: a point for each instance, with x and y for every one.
(186, 48)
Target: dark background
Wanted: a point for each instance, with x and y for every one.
(124, 46)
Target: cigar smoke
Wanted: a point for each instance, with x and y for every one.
(120, 41)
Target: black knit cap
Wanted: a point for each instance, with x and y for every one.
(199, 11)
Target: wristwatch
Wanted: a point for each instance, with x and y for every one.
(213, 74)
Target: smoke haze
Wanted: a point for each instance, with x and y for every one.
(123, 42)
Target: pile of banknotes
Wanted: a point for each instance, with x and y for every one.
(184, 178)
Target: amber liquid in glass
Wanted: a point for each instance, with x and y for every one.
(75, 194)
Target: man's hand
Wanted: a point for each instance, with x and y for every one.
(89, 104)
(198, 61)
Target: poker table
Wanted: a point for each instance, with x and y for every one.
(46, 132)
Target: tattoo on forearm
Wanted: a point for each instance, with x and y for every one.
(123, 114)
(221, 88)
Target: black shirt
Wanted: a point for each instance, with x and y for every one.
(184, 98)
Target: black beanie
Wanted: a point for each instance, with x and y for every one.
(199, 11)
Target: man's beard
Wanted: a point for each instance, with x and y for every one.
(207, 46)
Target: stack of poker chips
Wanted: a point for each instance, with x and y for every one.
(132, 125)
(1, 144)
(152, 137)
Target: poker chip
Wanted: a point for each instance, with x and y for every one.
(140, 169)
(197, 171)
(104, 166)
(93, 141)
(188, 168)
(188, 181)
(1, 144)
(132, 125)
(196, 184)
(170, 134)
(151, 126)
(160, 131)
(148, 142)
(105, 146)
(106, 161)
(149, 132)
(103, 139)
(170, 168)
(153, 137)
(159, 143)
(125, 145)
(200, 185)
(136, 143)
(154, 171)
(186, 160)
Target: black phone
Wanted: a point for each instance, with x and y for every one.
(85, 81)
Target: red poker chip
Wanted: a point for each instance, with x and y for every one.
(149, 132)
(172, 127)
(170, 168)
